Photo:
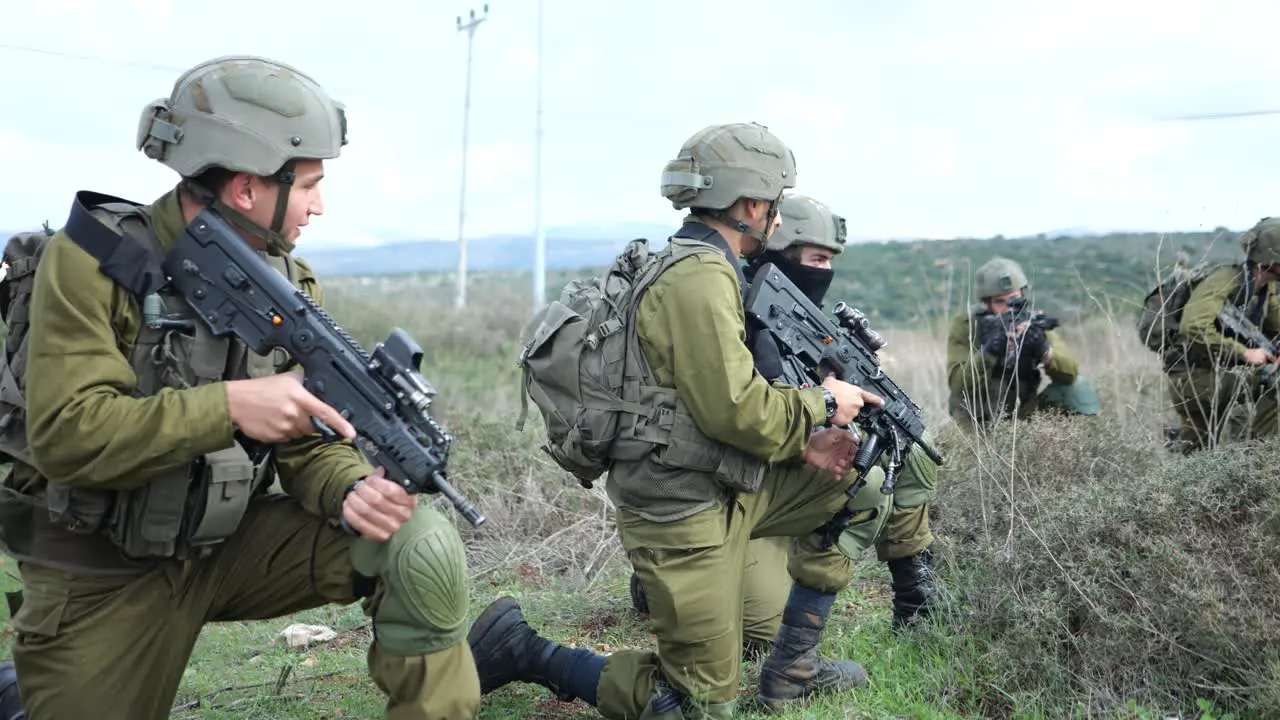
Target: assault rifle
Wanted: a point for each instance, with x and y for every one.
(383, 394)
(1233, 323)
(1019, 311)
(813, 347)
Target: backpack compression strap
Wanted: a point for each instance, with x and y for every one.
(122, 257)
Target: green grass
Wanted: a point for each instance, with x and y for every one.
(911, 675)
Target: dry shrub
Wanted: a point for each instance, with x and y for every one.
(542, 523)
(1094, 568)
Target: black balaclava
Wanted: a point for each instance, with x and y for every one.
(813, 282)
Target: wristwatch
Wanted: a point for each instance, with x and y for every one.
(830, 399)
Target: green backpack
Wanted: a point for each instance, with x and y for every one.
(584, 368)
(1161, 310)
(21, 256)
(573, 355)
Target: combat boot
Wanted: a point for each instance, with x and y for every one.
(794, 670)
(10, 701)
(914, 587)
(507, 650)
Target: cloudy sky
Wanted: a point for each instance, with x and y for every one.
(917, 118)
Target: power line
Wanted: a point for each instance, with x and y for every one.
(90, 58)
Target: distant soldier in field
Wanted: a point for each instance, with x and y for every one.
(999, 352)
(802, 248)
(1223, 384)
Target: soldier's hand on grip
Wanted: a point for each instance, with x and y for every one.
(849, 400)
(377, 507)
(277, 409)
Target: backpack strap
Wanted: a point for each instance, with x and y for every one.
(131, 258)
(694, 230)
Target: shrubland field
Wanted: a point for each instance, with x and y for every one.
(1087, 571)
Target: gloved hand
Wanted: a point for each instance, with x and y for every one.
(1033, 344)
(992, 338)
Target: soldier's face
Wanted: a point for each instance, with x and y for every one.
(305, 199)
(257, 199)
(1000, 303)
(757, 217)
(815, 257)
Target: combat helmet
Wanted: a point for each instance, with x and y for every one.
(1261, 243)
(806, 221)
(998, 276)
(244, 114)
(720, 164)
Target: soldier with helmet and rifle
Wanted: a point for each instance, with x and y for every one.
(1001, 349)
(802, 248)
(144, 444)
(712, 456)
(1214, 327)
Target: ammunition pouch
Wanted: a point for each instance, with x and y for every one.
(675, 442)
(181, 514)
(225, 480)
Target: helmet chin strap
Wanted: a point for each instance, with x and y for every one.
(760, 236)
(273, 238)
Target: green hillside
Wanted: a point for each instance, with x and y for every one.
(911, 282)
(905, 283)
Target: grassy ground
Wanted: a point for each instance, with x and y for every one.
(1082, 568)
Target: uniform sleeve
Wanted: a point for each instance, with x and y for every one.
(1063, 367)
(316, 472)
(83, 426)
(1200, 314)
(967, 366)
(691, 326)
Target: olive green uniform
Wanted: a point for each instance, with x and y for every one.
(979, 391)
(102, 636)
(1212, 389)
(686, 531)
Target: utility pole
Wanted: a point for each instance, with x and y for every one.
(539, 234)
(470, 28)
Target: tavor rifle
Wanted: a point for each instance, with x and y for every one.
(813, 347)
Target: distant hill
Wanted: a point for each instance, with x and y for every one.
(575, 247)
(566, 248)
(1074, 272)
(899, 282)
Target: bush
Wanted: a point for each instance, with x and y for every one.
(1095, 568)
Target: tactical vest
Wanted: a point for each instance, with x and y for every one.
(184, 512)
(666, 469)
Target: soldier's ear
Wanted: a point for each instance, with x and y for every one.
(240, 192)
